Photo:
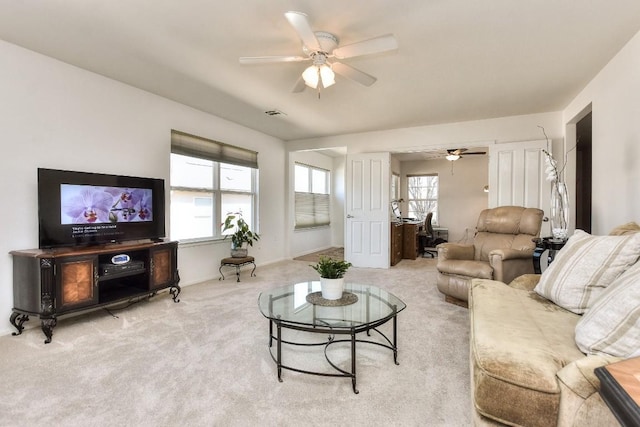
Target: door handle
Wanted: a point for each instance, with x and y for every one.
(350, 216)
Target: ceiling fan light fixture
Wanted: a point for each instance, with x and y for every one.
(327, 76)
(319, 73)
(452, 157)
(311, 76)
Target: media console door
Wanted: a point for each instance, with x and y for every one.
(50, 283)
(163, 266)
(77, 282)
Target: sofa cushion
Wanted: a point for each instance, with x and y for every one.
(519, 341)
(612, 325)
(585, 266)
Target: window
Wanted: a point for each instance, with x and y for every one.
(208, 181)
(311, 196)
(423, 196)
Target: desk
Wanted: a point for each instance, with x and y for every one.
(620, 389)
(410, 245)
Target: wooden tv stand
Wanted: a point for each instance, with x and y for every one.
(51, 283)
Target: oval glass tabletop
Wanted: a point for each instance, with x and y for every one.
(290, 304)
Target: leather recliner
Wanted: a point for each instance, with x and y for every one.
(502, 250)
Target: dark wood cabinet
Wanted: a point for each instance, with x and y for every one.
(76, 282)
(396, 243)
(163, 267)
(51, 283)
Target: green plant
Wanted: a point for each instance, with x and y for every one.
(242, 234)
(330, 268)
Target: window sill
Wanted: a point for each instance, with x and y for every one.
(296, 230)
(202, 241)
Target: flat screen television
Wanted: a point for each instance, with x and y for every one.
(81, 208)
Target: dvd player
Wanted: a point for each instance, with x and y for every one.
(112, 269)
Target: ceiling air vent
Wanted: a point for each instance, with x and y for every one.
(274, 113)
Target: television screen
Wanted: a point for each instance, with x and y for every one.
(80, 208)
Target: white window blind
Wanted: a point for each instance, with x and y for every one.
(203, 148)
(312, 210)
(312, 198)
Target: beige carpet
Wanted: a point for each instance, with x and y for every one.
(335, 253)
(205, 362)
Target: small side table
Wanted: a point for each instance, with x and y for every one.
(620, 389)
(543, 244)
(237, 263)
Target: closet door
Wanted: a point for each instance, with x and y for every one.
(517, 178)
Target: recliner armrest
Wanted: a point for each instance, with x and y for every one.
(455, 251)
(505, 254)
(508, 264)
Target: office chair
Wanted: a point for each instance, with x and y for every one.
(427, 237)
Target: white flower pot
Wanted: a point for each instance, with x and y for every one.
(332, 288)
(239, 251)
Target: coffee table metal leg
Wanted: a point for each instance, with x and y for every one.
(353, 361)
(279, 350)
(395, 336)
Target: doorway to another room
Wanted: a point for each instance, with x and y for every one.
(583, 174)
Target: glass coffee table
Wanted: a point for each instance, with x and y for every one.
(299, 307)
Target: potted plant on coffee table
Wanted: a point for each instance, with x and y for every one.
(242, 235)
(331, 276)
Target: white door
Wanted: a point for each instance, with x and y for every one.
(517, 178)
(367, 224)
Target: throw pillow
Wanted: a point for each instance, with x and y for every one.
(611, 326)
(585, 266)
(628, 228)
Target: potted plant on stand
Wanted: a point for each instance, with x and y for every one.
(331, 276)
(242, 235)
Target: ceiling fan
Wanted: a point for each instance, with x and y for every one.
(454, 154)
(319, 47)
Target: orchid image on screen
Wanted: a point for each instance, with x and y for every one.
(89, 204)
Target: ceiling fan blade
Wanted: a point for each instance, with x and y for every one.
(376, 45)
(353, 74)
(456, 151)
(474, 152)
(299, 86)
(299, 22)
(249, 60)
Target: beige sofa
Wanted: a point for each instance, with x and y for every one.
(526, 368)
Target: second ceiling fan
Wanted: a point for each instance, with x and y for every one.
(322, 49)
(454, 154)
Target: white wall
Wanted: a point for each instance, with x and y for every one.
(58, 116)
(614, 95)
(338, 201)
(461, 194)
(462, 134)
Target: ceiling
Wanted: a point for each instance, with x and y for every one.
(457, 60)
